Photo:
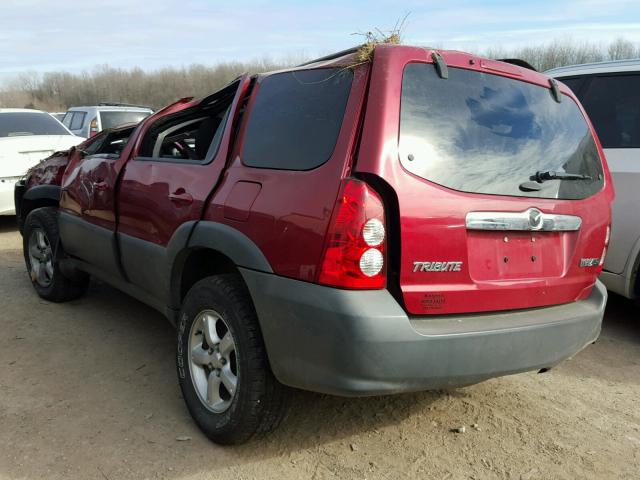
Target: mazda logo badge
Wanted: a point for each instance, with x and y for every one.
(535, 219)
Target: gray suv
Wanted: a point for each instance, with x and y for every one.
(87, 121)
(610, 93)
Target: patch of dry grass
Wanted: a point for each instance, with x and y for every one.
(378, 37)
(365, 52)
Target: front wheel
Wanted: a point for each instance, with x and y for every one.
(222, 364)
(42, 253)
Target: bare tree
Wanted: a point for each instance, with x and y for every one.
(622, 49)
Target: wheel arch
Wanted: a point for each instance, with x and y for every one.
(212, 248)
(37, 197)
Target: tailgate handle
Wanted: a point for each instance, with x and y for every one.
(529, 220)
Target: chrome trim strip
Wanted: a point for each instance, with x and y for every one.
(529, 220)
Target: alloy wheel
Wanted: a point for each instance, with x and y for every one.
(40, 258)
(214, 367)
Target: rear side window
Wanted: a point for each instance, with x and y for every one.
(482, 133)
(115, 119)
(77, 121)
(296, 119)
(613, 104)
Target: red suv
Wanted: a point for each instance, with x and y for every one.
(422, 220)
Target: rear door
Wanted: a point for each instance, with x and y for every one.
(476, 232)
(175, 167)
(613, 104)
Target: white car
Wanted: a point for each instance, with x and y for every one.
(610, 93)
(26, 137)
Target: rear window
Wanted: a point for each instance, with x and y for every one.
(612, 103)
(483, 133)
(296, 119)
(15, 124)
(115, 119)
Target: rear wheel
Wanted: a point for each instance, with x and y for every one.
(42, 254)
(222, 364)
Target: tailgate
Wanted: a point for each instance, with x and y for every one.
(478, 230)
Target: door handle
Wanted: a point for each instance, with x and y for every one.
(180, 196)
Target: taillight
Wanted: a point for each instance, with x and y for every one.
(354, 253)
(607, 237)
(93, 127)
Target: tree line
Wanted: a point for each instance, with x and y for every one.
(561, 53)
(56, 91)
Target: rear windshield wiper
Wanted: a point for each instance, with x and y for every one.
(551, 175)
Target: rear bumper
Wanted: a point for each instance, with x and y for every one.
(357, 343)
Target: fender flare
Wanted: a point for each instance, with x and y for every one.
(43, 192)
(232, 243)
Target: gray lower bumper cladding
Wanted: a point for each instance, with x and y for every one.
(358, 343)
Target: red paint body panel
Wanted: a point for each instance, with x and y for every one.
(432, 218)
(49, 171)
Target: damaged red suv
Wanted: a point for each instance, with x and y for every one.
(422, 220)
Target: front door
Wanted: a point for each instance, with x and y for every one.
(86, 215)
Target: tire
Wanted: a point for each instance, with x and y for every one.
(42, 253)
(220, 345)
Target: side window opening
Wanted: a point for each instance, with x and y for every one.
(192, 135)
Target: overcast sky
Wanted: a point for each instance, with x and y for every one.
(75, 35)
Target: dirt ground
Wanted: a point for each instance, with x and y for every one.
(88, 390)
